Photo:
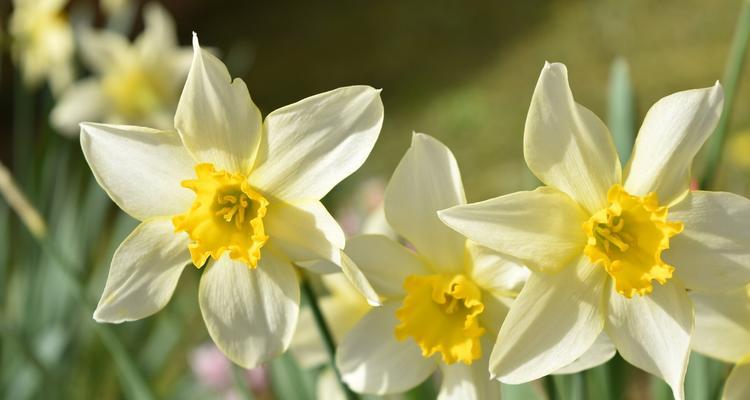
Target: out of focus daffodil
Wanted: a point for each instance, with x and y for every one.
(234, 194)
(610, 252)
(42, 42)
(133, 83)
(440, 303)
(738, 150)
(722, 331)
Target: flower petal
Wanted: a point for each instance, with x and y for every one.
(673, 131)
(542, 228)
(737, 386)
(250, 313)
(316, 142)
(144, 272)
(159, 38)
(140, 168)
(83, 101)
(496, 273)
(469, 382)
(566, 145)
(600, 352)
(304, 231)
(373, 361)
(385, 263)
(425, 181)
(103, 50)
(653, 331)
(307, 347)
(553, 322)
(216, 118)
(713, 251)
(722, 324)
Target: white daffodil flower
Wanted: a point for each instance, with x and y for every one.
(722, 331)
(42, 42)
(134, 83)
(595, 239)
(440, 303)
(235, 193)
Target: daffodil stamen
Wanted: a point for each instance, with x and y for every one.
(627, 238)
(227, 215)
(441, 314)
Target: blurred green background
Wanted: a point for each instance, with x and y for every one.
(463, 72)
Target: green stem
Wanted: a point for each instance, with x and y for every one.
(732, 75)
(240, 383)
(325, 332)
(550, 388)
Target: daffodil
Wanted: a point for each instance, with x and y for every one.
(134, 83)
(610, 252)
(42, 42)
(234, 195)
(722, 331)
(440, 303)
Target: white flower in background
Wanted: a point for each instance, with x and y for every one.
(595, 239)
(237, 194)
(43, 42)
(114, 7)
(722, 331)
(440, 303)
(133, 83)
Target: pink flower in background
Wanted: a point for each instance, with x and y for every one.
(214, 371)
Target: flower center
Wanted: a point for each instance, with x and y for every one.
(441, 314)
(627, 238)
(227, 215)
(133, 92)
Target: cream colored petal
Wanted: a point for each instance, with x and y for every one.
(653, 331)
(373, 361)
(566, 145)
(673, 131)
(144, 272)
(84, 101)
(469, 382)
(713, 251)
(737, 386)
(542, 229)
(496, 273)
(425, 181)
(358, 279)
(600, 352)
(553, 322)
(722, 324)
(159, 38)
(140, 168)
(496, 309)
(307, 347)
(216, 118)
(328, 387)
(385, 263)
(313, 144)
(304, 231)
(104, 50)
(250, 313)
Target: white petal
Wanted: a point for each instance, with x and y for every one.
(722, 324)
(313, 144)
(358, 279)
(83, 101)
(600, 352)
(425, 181)
(713, 252)
(653, 331)
(554, 321)
(541, 228)
(144, 272)
(496, 309)
(496, 273)
(737, 386)
(673, 131)
(140, 168)
(216, 118)
(328, 387)
(304, 231)
(307, 347)
(373, 361)
(103, 50)
(250, 313)
(159, 38)
(469, 382)
(566, 145)
(385, 263)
